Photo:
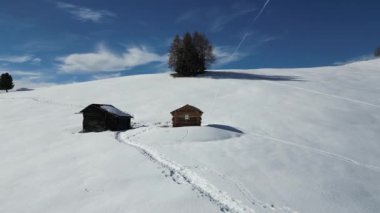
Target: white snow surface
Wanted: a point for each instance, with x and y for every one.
(271, 140)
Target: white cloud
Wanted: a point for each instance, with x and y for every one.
(225, 56)
(20, 59)
(85, 14)
(103, 60)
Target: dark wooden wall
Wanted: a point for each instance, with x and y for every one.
(179, 118)
(95, 120)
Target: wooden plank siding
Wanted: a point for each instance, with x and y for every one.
(187, 116)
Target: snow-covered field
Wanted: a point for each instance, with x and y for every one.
(272, 140)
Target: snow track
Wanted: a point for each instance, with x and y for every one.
(217, 196)
(180, 174)
(247, 194)
(325, 94)
(39, 100)
(321, 152)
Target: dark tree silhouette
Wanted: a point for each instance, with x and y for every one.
(191, 54)
(204, 51)
(6, 82)
(377, 52)
(176, 54)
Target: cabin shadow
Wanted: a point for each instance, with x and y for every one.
(247, 76)
(225, 127)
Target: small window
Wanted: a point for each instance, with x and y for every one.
(187, 117)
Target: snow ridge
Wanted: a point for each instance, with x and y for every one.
(217, 196)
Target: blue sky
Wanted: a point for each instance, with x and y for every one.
(48, 41)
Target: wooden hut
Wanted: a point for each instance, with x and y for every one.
(187, 116)
(102, 117)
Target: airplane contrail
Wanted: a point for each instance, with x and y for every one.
(247, 33)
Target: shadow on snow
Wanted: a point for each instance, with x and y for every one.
(225, 127)
(247, 76)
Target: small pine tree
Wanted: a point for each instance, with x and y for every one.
(6, 82)
(377, 52)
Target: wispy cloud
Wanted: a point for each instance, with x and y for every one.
(105, 76)
(221, 21)
(104, 60)
(214, 19)
(25, 73)
(356, 59)
(35, 45)
(224, 56)
(250, 24)
(85, 14)
(20, 59)
(188, 16)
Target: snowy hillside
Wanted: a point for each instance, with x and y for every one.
(272, 140)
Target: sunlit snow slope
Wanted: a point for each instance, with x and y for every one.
(283, 140)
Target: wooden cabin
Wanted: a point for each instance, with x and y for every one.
(102, 117)
(187, 116)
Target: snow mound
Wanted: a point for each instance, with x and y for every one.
(189, 134)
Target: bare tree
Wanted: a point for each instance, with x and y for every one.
(204, 51)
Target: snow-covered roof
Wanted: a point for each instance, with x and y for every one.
(114, 110)
(108, 108)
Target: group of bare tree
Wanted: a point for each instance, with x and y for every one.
(190, 54)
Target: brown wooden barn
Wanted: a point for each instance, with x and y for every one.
(187, 116)
(102, 117)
